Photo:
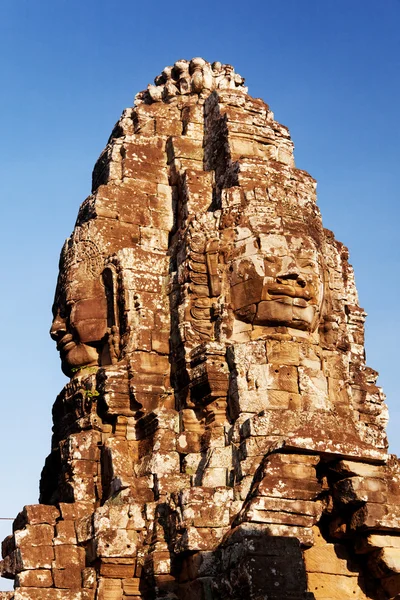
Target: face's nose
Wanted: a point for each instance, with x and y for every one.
(58, 328)
(290, 273)
(292, 277)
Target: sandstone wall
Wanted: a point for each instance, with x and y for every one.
(221, 435)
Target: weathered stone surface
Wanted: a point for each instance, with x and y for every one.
(117, 567)
(50, 594)
(69, 555)
(69, 577)
(34, 535)
(334, 587)
(35, 514)
(220, 435)
(35, 578)
(110, 589)
(34, 557)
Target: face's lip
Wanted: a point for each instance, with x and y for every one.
(286, 290)
(66, 343)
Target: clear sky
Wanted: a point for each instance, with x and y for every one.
(328, 68)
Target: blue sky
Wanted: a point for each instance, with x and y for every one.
(328, 68)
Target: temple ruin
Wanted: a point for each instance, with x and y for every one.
(221, 436)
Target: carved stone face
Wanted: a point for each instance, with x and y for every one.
(82, 309)
(276, 280)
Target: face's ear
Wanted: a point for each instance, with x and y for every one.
(214, 281)
(111, 352)
(110, 286)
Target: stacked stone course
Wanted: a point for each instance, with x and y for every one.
(221, 435)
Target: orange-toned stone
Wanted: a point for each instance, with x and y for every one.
(69, 556)
(68, 578)
(35, 557)
(117, 568)
(65, 533)
(35, 514)
(34, 535)
(35, 578)
(219, 409)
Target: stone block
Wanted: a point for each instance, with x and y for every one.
(111, 517)
(131, 586)
(163, 441)
(154, 238)
(313, 386)
(281, 352)
(67, 555)
(282, 377)
(354, 490)
(160, 341)
(68, 578)
(7, 545)
(255, 425)
(199, 564)
(88, 594)
(75, 510)
(197, 538)
(110, 589)
(299, 513)
(188, 442)
(165, 584)
(334, 587)
(11, 565)
(214, 477)
(170, 482)
(373, 541)
(290, 488)
(35, 578)
(221, 457)
(200, 589)
(158, 562)
(206, 515)
(65, 533)
(117, 568)
(82, 446)
(260, 562)
(376, 516)
(166, 127)
(331, 559)
(158, 463)
(120, 459)
(254, 446)
(34, 535)
(282, 400)
(36, 514)
(304, 535)
(298, 471)
(179, 147)
(89, 577)
(84, 529)
(385, 562)
(136, 514)
(192, 463)
(118, 543)
(35, 557)
(50, 594)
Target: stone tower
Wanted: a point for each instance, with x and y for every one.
(221, 436)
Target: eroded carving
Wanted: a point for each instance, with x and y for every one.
(220, 417)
